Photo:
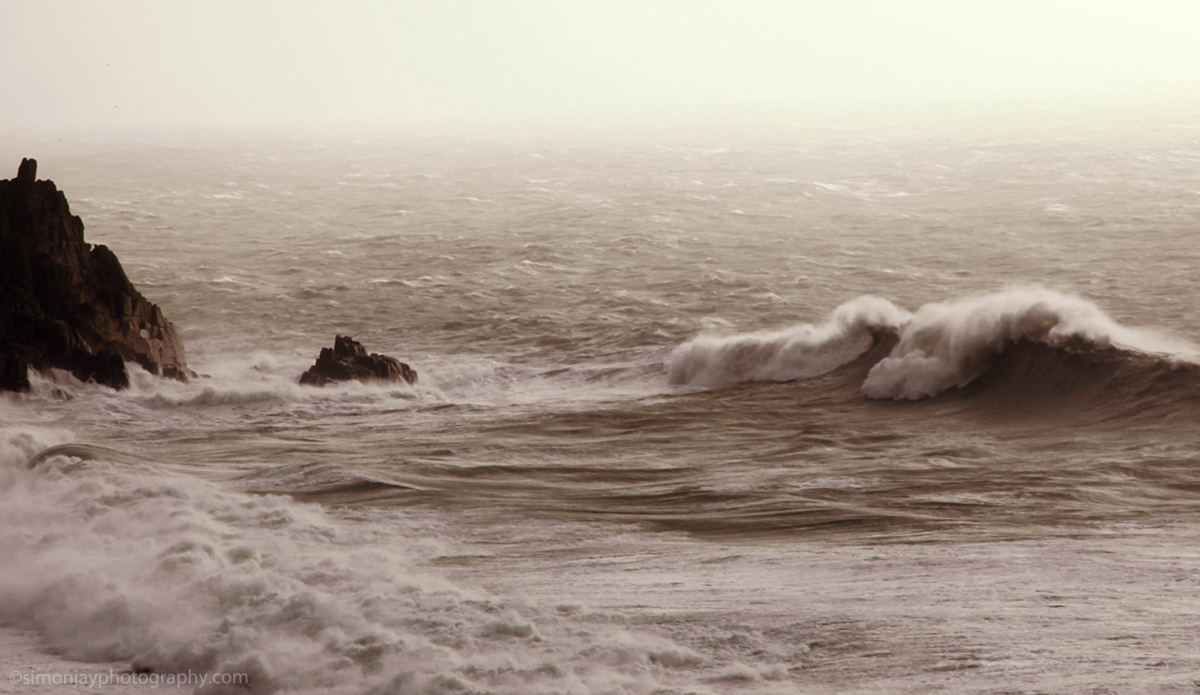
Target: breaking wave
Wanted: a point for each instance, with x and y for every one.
(948, 345)
(1021, 341)
(111, 557)
(799, 352)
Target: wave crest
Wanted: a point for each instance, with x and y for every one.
(948, 345)
(798, 352)
(941, 346)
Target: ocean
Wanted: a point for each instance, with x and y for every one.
(814, 411)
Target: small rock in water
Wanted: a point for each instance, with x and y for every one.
(349, 360)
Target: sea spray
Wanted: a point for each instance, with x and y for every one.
(942, 346)
(804, 350)
(121, 560)
(945, 345)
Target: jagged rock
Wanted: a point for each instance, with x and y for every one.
(102, 367)
(27, 172)
(67, 304)
(349, 360)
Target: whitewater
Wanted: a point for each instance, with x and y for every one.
(813, 411)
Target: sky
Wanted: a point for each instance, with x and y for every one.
(266, 64)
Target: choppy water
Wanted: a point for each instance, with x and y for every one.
(819, 413)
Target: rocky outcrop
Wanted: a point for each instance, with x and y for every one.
(349, 360)
(67, 304)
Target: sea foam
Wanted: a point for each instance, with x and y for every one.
(802, 351)
(945, 345)
(941, 346)
(115, 558)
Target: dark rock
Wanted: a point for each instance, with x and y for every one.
(14, 372)
(67, 304)
(349, 360)
(102, 367)
(27, 172)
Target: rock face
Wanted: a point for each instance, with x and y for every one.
(67, 304)
(349, 360)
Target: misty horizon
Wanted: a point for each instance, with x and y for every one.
(456, 67)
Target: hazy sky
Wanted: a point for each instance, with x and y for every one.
(268, 63)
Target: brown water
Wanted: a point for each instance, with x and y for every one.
(815, 413)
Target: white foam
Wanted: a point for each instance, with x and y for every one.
(945, 345)
(258, 378)
(18, 444)
(799, 352)
(122, 561)
(942, 345)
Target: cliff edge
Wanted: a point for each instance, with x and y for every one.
(67, 304)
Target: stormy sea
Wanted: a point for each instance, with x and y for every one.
(814, 411)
